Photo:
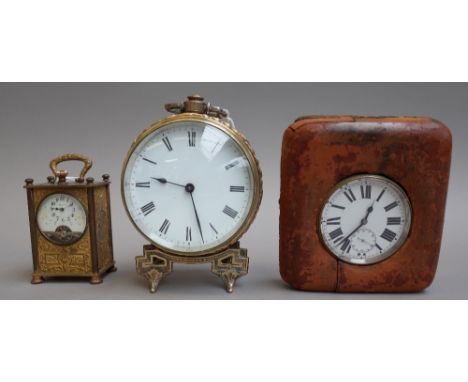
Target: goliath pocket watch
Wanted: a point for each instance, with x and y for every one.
(191, 185)
(70, 224)
(362, 202)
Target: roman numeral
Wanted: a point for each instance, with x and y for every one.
(393, 221)
(346, 245)
(338, 206)
(334, 221)
(237, 188)
(167, 143)
(188, 233)
(213, 228)
(366, 191)
(388, 235)
(390, 206)
(148, 208)
(148, 160)
(142, 184)
(230, 212)
(231, 165)
(379, 247)
(191, 138)
(380, 195)
(350, 195)
(165, 226)
(336, 233)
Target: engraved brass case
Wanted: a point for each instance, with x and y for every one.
(229, 261)
(90, 256)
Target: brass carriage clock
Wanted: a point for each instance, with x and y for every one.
(70, 223)
(191, 185)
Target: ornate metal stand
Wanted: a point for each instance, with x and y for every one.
(229, 265)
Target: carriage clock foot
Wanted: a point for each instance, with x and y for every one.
(112, 269)
(37, 279)
(95, 279)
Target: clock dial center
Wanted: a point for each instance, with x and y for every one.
(189, 187)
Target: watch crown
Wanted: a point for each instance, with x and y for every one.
(195, 103)
(195, 97)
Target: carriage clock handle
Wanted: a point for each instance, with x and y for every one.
(62, 174)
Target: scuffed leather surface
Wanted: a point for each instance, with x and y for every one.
(320, 151)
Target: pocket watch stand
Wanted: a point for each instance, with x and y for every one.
(192, 185)
(229, 265)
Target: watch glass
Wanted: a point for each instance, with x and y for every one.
(188, 187)
(365, 219)
(61, 218)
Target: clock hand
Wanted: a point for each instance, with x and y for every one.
(164, 181)
(352, 232)
(363, 223)
(190, 188)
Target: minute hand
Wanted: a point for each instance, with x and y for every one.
(363, 222)
(196, 216)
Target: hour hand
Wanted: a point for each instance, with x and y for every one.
(164, 181)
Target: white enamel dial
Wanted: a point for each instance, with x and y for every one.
(61, 218)
(188, 187)
(366, 219)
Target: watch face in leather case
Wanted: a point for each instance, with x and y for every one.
(365, 219)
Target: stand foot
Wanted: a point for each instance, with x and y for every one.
(153, 266)
(154, 277)
(231, 265)
(95, 279)
(36, 279)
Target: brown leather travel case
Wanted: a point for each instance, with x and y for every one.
(320, 151)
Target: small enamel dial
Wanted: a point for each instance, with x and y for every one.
(188, 187)
(365, 219)
(61, 218)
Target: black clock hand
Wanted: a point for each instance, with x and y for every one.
(189, 188)
(164, 181)
(363, 223)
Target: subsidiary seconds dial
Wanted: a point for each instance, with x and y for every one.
(189, 187)
(366, 219)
